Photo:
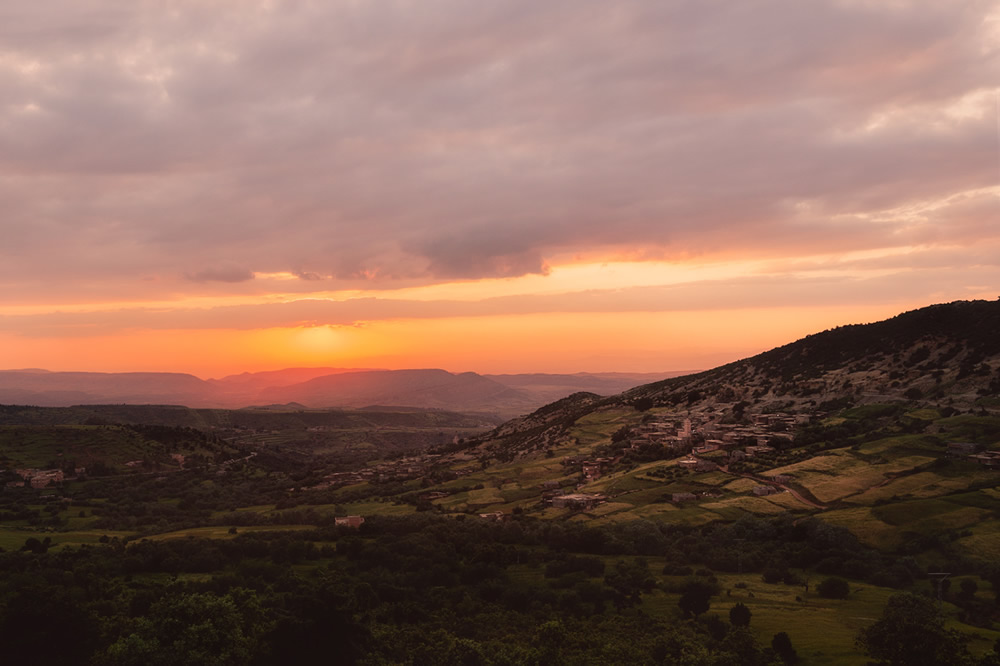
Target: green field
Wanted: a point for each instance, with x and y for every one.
(223, 532)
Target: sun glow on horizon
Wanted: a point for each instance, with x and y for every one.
(545, 342)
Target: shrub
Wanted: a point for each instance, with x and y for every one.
(739, 615)
(834, 588)
(782, 646)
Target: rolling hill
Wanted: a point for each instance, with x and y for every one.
(890, 429)
(315, 388)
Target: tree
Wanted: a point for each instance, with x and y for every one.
(739, 615)
(696, 597)
(782, 646)
(911, 633)
(741, 643)
(642, 404)
(969, 588)
(194, 628)
(834, 588)
(35, 546)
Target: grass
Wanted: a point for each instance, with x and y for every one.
(222, 531)
(902, 443)
(919, 485)
(257, 508)
(841, 474)
(609, 507)
(981, 429)
(984, 542)
(485, 497)
(872, 411)
(822, 630)
(740, 486)
(868, 528)
(906, 513)
(754, 505)
(13, 538)
(377, 509)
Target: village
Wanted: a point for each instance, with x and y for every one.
(705, 443)
(700, 442)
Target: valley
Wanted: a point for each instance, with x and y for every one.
(867, 454)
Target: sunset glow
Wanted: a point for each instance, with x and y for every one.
(495, 187)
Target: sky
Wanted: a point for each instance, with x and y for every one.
(495, 186)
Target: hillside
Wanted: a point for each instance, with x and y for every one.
(942, 354)
(547, 388)
(841, 424)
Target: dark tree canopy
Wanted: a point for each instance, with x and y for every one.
(834, 588)
(696, 597)
(911, 633)
(739, 615)
(782, 646)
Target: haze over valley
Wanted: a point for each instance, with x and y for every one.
(507, 395)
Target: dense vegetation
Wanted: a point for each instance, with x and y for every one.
(420, 590)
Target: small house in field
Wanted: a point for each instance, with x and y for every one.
(763, 491)
(682, 497)
(987, 459)
(350, 521)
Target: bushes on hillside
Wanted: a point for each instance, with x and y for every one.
(834, 588)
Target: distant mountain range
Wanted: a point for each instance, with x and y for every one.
(315, 388)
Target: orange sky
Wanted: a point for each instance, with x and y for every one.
(496, 186)
(606, 334)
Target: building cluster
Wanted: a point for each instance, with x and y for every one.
(350, 521)
(971, 452)
(704, 434)
(41, 478)
(590, 468)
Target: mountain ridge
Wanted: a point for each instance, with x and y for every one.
(945, 355)
(313, 388)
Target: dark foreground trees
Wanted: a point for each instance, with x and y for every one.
(911, 632)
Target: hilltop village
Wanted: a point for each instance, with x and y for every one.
(699, 442)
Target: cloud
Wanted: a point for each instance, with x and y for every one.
(852, 283)
(222, 274)
(427, 141)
